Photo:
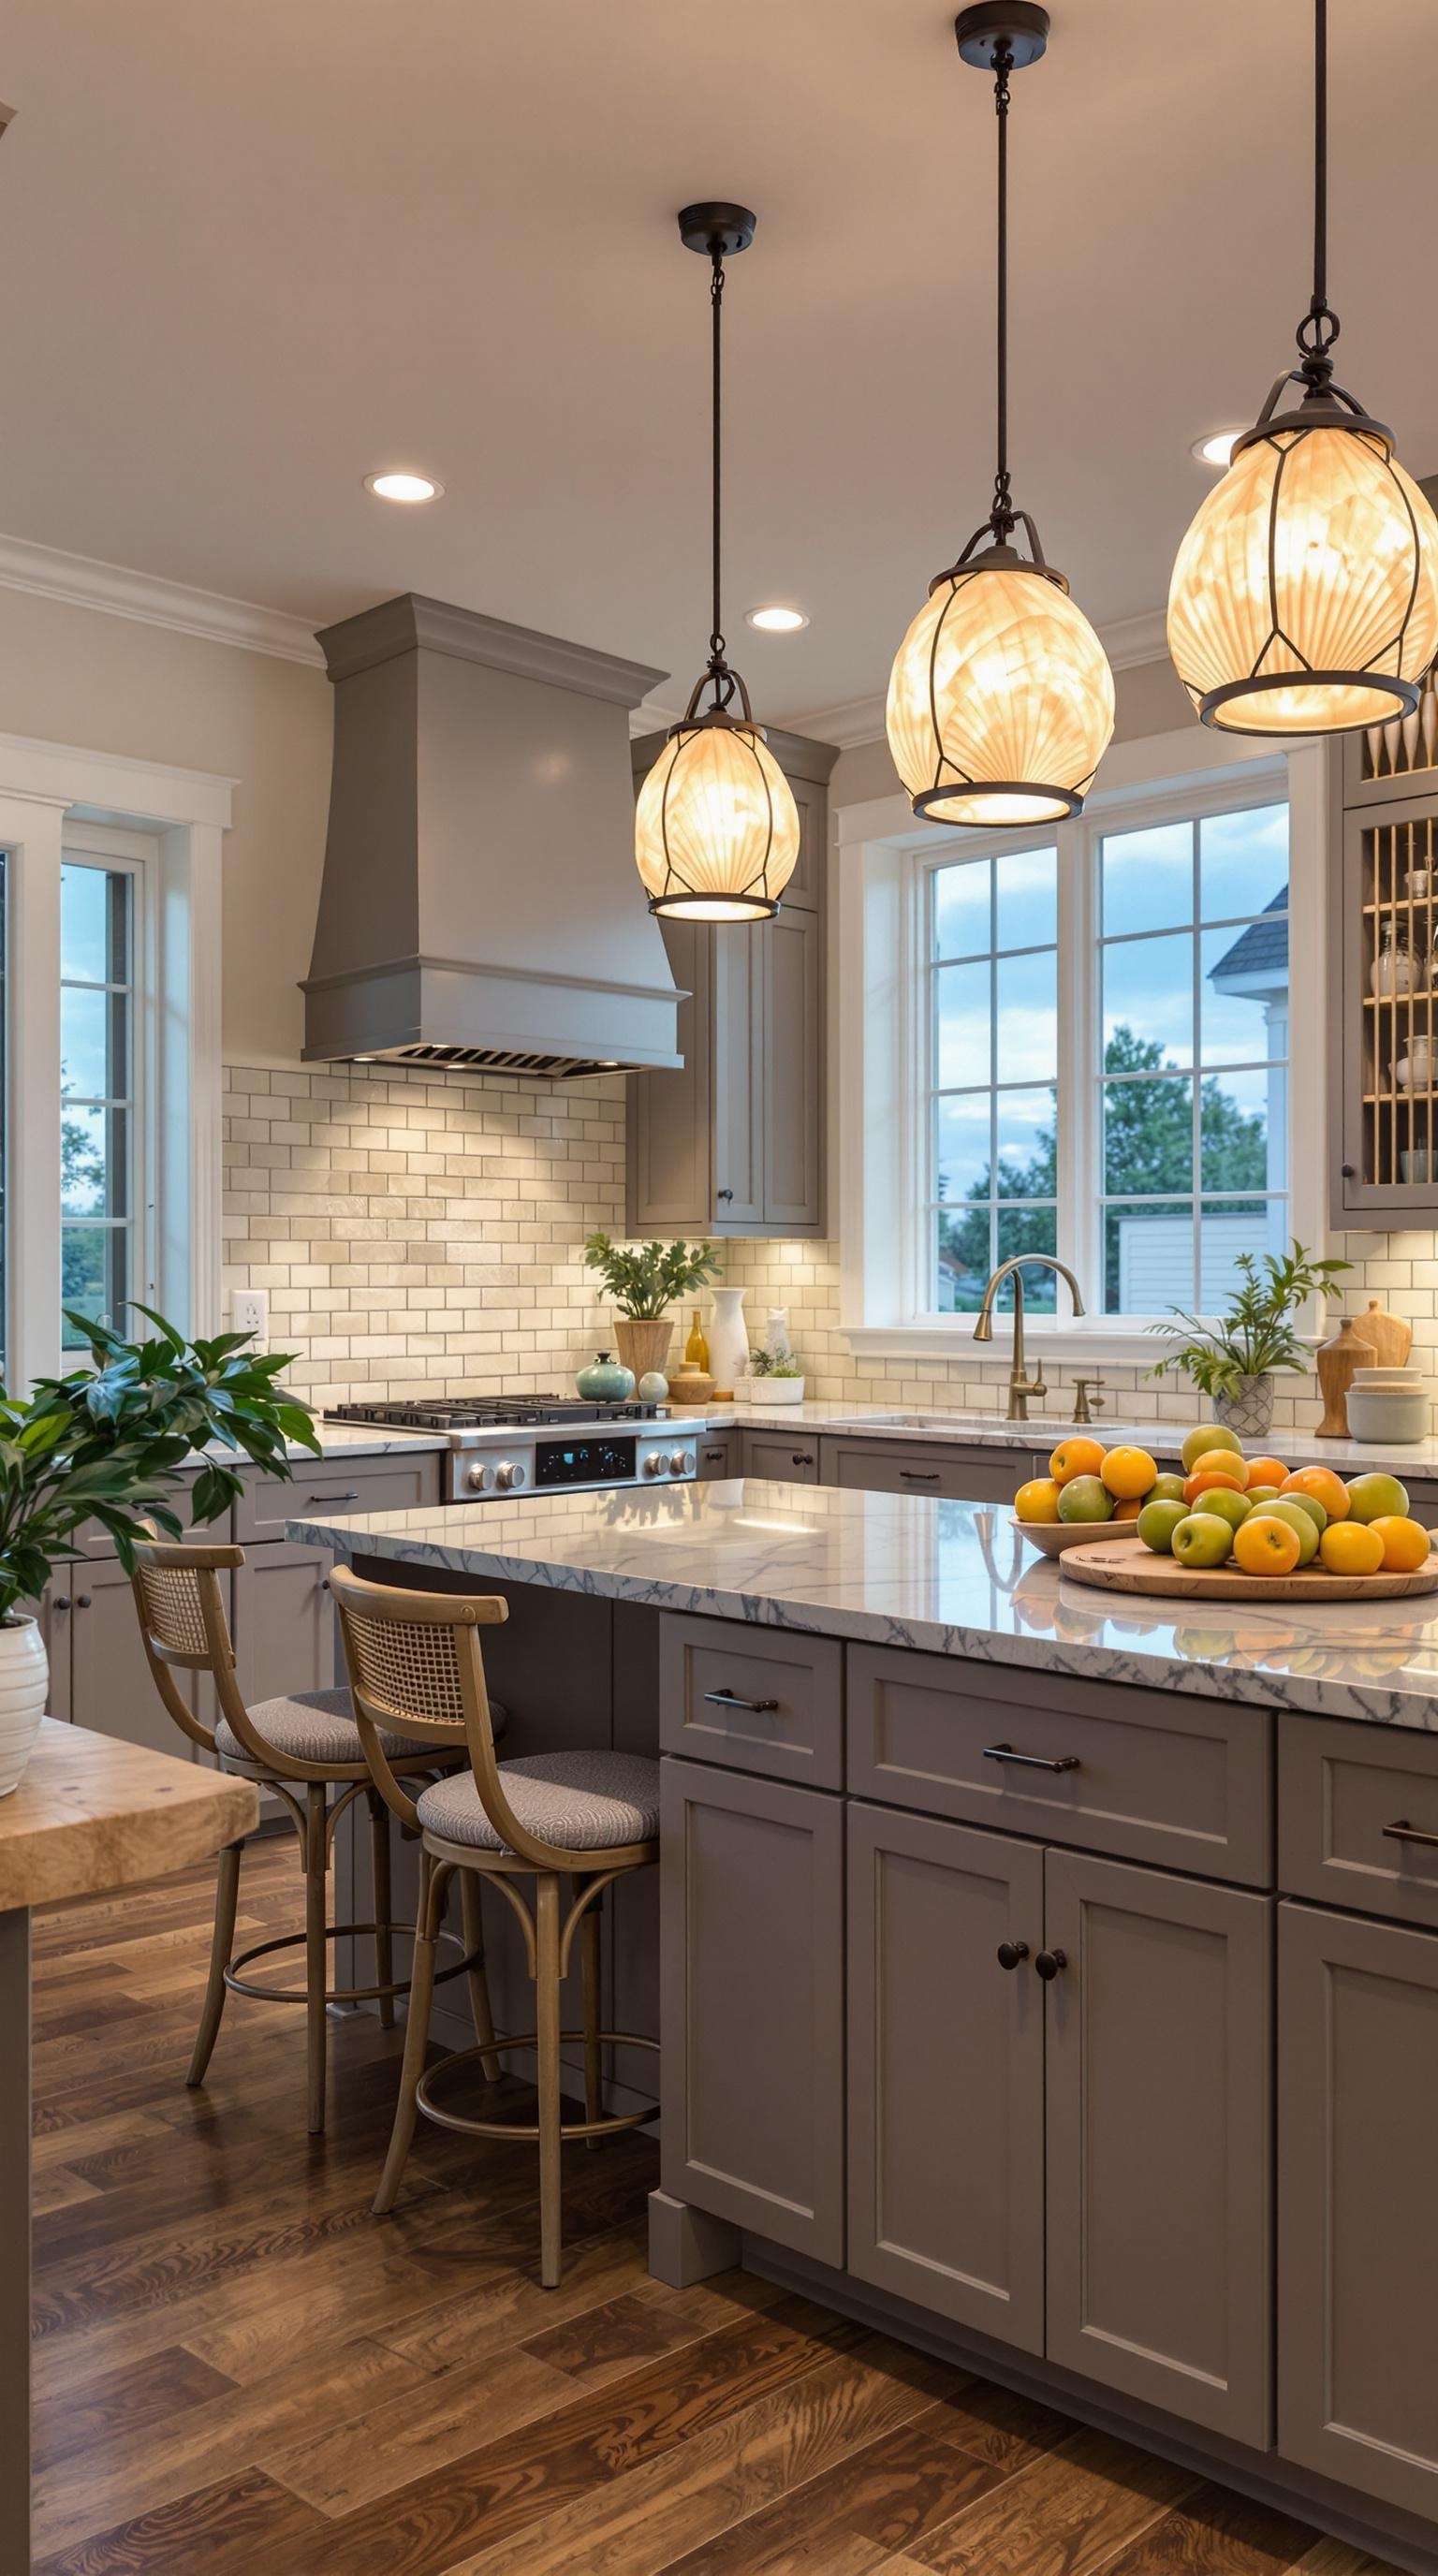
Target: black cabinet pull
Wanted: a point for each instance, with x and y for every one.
(724, 1194)
(1009, 1953)
(731, 1699)
(61, 1601)
(1403, 1832)
(801, 1457)
(714, 1453)
(351, 1497)
(82, 1600)
(918, 1475)
(1031, 1761)
(1347, 1171)
(1048, 1964)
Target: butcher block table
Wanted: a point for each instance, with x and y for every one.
(90, 1814)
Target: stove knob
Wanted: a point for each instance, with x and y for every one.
(681, 1462)
(480, 1479)
(507, 1475)
(654, 1463)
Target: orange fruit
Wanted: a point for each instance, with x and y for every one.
(1038, 1500)
(1323, 1485)
(1405, 1543)
(1350, 1547)
(1220, 1462)
(1076, 1458)
(1128, 1473)
(1129, 1508)
(1264, 1544)
(1199, 1484)
(1266, 1471)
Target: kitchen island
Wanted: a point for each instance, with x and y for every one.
(1052, 1979)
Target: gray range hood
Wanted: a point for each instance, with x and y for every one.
(480, 904)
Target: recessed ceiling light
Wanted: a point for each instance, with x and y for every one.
(403, 487)
(1217, 448)
(776, 621)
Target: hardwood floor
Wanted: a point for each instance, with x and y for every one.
(239, 2370)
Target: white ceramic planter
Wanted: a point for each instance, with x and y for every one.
(728, 1339)
(770, 1390)
(24, 1688)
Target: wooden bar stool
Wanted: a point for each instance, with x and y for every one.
(301, 1748)
(592, 1817)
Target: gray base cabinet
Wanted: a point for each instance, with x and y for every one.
(752, 2000)
(927, 1468)
(946, 2072)
(1358, 2209)
(282, 1622)
(790, 1456)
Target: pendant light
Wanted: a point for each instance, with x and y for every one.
(1001, 698)
(716, 830)
(1305, 595)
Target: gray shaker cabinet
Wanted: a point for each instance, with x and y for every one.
(1358, 2214)
(752, 2077)
(932, 1468)
(946, 2070)
(791, 1456)
(734, 1143)
(1158, 2116)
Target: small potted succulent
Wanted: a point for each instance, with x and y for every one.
(1233, 1361)
(775, 1377)
(103, 1444)
(643, 1279)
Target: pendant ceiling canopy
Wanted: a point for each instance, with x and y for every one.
(1304, 599)
(1001, 699)
(716, 828)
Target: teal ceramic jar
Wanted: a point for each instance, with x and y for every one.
(605, 1381)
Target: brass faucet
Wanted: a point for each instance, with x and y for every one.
(1021, 1385)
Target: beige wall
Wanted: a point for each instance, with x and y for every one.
(74, 675)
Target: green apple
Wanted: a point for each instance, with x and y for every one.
(1310, 1503)
(1202, 1539)
(1297, 1518)
(1085, 1498)
(1370, 1498)
(1209, 1435)
(1232, 1508)
(1165, 1489)
(1262, 1495)
(1158, 1521)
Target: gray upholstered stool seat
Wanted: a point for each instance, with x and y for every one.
(593, 1801)
(318, 1726)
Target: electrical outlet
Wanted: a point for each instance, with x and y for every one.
(250, 1313)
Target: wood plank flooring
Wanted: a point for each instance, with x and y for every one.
(239, 2370)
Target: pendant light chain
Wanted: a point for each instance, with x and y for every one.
(718, 667)
(1002, 517)
(1320, 326)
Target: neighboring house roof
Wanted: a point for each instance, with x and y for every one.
(1260, 951)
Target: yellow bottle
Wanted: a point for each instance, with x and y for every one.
(696, 1349)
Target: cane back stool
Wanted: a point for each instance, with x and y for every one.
(301, 1748)
(415, 1665)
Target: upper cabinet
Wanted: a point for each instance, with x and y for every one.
(735, 1143)
(1384, 971)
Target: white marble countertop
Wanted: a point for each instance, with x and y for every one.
(991, 1431)
(948, 1578)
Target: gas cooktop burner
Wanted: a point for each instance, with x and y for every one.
(479, 1412)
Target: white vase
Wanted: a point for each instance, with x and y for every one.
(728, 1339)
(24, 1688)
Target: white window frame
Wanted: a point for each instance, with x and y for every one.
(882, 1080)
(136, 855)
(54, 797)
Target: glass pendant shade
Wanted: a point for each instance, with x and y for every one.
(1304, 599)
(1000, 700)
(717, 829)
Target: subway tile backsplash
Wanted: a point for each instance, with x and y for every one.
(426, 1234)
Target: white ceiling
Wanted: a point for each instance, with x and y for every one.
(251, 252)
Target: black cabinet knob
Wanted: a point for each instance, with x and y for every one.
(1048, 1964)
(1010, 1953)
(1347, 1170)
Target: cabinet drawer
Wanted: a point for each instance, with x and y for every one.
(94, 1539)
(755, 1699)
(959, 1476)
(1146, 1776)
(717, 1455)
(792, 1456)
(1341, 1788)
(391, 1484)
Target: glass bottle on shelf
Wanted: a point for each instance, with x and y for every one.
(1395, 970)
(696, 1349)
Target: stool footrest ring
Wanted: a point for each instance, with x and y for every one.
(239, 1984)
(472, 2128)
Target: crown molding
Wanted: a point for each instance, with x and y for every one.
(82, 581)
(1132, 640)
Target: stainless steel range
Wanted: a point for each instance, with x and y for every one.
(542, 1443)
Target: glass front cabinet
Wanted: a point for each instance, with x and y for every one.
(1384, 969)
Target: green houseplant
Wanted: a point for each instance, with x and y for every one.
(104, 1444)
(644, 1279)
(1233, 1361)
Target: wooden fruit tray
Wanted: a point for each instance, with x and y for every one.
(1057, 1538)
(1120, 1568)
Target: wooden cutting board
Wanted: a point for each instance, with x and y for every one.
(1111, 1568)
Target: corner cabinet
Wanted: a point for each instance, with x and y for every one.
(1383, 970)
(734, 1144)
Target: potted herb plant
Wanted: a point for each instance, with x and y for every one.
(643, 1279)
(1233, 1361)
(104, 1444)
(775, 1377)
